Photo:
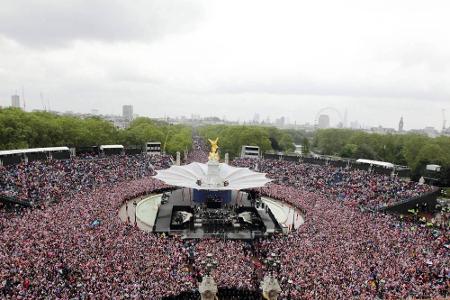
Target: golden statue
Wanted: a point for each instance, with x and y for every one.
(214, 154)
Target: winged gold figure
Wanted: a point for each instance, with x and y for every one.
(214, 154)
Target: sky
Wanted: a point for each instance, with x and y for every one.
(378, 60)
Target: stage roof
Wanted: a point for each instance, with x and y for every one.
(194, 173)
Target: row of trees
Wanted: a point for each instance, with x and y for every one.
(232, 137)
(413, 150)
(19, 129)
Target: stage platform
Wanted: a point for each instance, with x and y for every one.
(181, 199)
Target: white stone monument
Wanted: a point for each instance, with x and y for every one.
(208, 288)
(227, 159)
(178, 161)
(271, 288)
(213, 178)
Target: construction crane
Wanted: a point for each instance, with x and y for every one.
(444, 121)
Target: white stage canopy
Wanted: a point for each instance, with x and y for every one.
(212, 177)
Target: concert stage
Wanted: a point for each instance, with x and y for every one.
(179, 214)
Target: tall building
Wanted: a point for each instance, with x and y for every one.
(400, 125)
(127, 112)
(345, 125)
(15, 101)
(324, 121)
(256, 118)
(355, 125)
(280, 122)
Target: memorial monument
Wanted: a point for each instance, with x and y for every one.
(210, 201)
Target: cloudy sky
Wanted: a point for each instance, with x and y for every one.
(378, 60)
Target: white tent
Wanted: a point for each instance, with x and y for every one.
(376, 163)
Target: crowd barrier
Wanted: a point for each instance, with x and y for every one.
(222, 294)
(133, 151)
(272, 156)
(13, 201)
(11, 160)
(424, 202)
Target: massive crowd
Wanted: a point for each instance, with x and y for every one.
(79, 248)
(346, 253)
(41, 181)
(199, 152)
(354, 187)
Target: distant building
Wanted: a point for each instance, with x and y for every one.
(400, 125)
(256, 118)
(446, 131)
(381, 130)
(15, 101)
(324, 121)
(195, 117)
(431, 131)
(280, 122)
(127, 112)
(355, 125)
(345, 125)
(118, 121)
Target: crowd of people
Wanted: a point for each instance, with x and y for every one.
(78, 248)
(354, 187)
(235, 264)
(50, 180)
(347, 253)
(199, 152)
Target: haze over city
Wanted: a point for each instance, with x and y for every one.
(380, 60)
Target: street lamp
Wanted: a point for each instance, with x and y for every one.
(272, 263)
(135, 213)
(166, 138)
(209, 263)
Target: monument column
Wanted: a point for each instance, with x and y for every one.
(270, 286)
(208, 287)
(178, 161)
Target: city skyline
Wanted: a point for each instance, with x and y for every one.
(338, 120)
(380, 60)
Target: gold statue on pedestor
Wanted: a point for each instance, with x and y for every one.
(214, 154)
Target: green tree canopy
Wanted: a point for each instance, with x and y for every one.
(413, 150)
(19, 129)
(233, 137)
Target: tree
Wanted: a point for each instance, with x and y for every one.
(349, 150)
(19, 129)
(305, 144)
(286, 143)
